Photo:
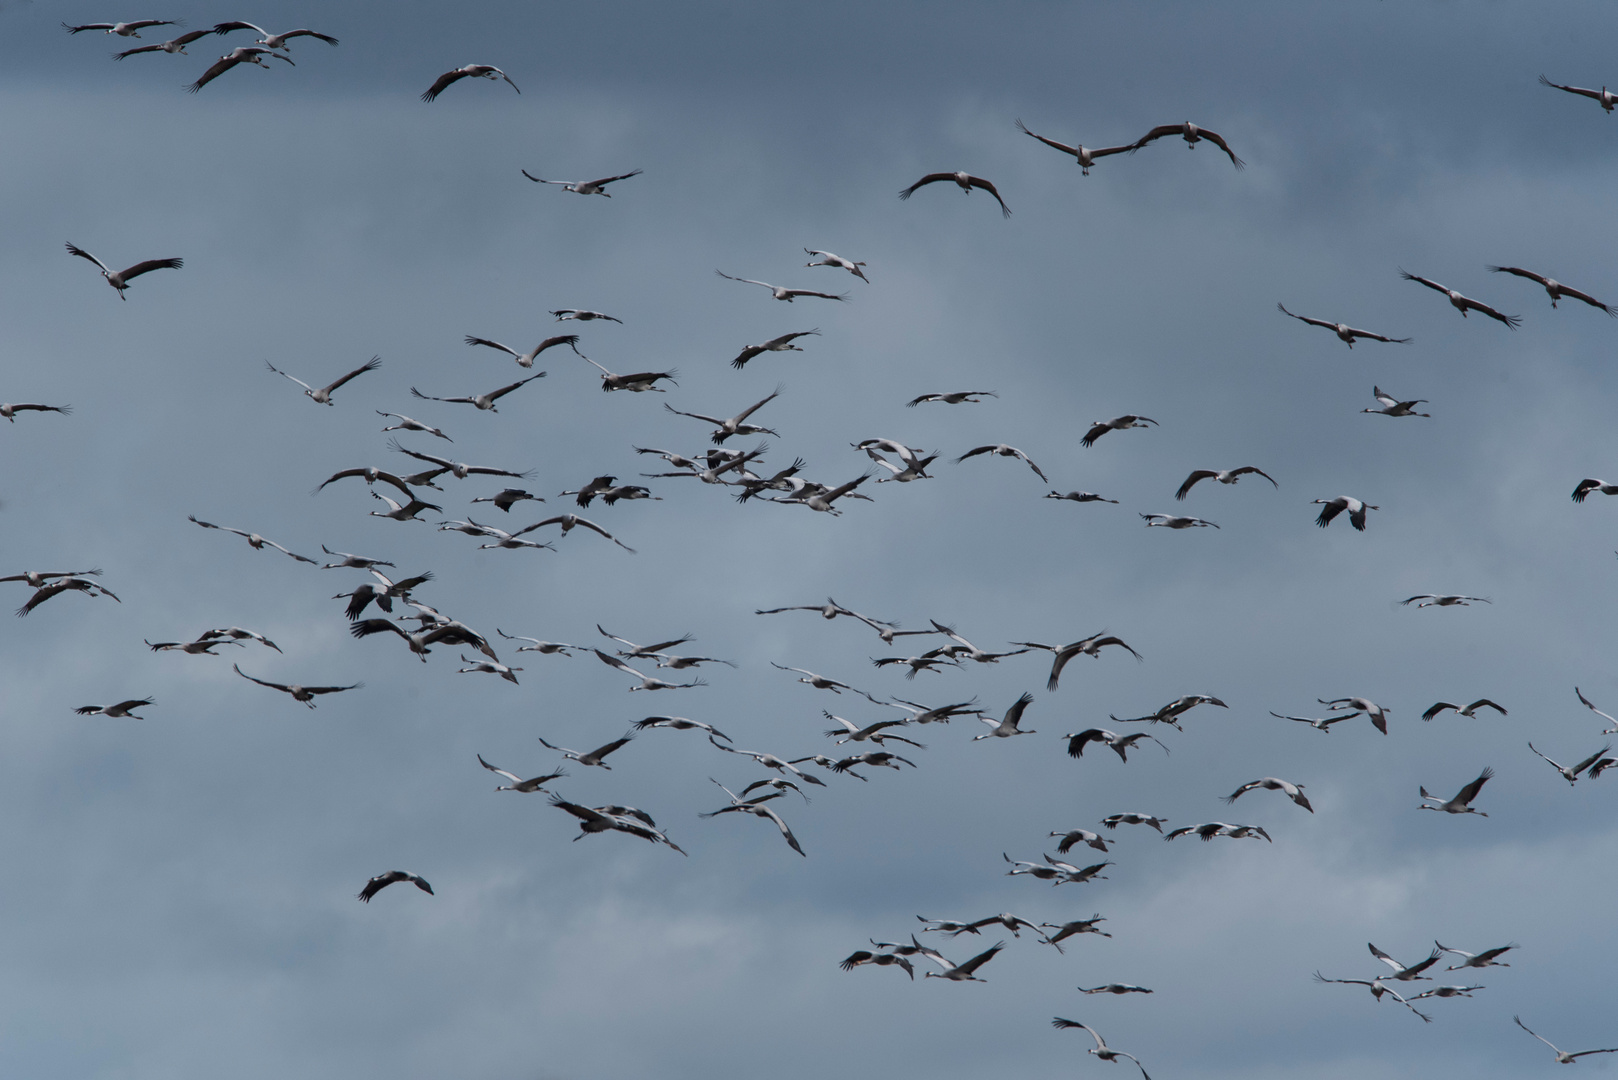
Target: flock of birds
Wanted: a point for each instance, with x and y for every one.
(422, 628)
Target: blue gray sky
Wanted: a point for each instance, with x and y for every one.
(181, 895)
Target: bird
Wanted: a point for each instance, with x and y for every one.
(39, 578)
(964, 972)
(1402, 973)
(122, 709)
(1447, 992)
(200, 647)
(781, 292)
(1344, 332)
(382, 881)
(122, 29)
(1079, 497)
(770, 761)
(775, 344)
(585, 187)
(1468, 712)
(954, 397)
(1446, 600)
(10, 411)
(756, 807)
(964, 648)
(1486, 958)
(965, 181)
(827, 258)
(483, 402)
(821, 500)
(173, 45)
(1332, 507)
(1002, 450)
(1461, 803)
(506, 498)
(305, 694)
(61, 585)
(1378, 988)
(819, 682)
(476, 71)
(1090, 646)
(518, 783)
(646, 681)
(1176, 521)
(121, 279)
(638, 383)
(1605, 97)
(876, 733)
(1271, 783)
(1006, 726)
(1114, 820)
(527, 359)
(880, 759)
(1463, 304)
(1101, 1049)
(1114, 988)
(371, 474)
(581, 315)
(1570, 773)
(252, 54)
(323, 395)
(865, 956)
(1353, 705)
(1210, 829)
(735, 425)
(678, 723)
(1170, 714)
(1562, 1056)
(1225, 476)
(448, 634)
(269, 40)
(406, 511)
(1080, 836)
(489, 667)
(407, 424)
(1586, 703)
(1588, 485)
(644, 650)
(1072, 929)
(536, 645)
(1099, 428)
(1121, 744)
(593, 757)
(257, 542)
(459, 469)
(1392, 406)
(1192, 134)
(614, 819)
(829, 610)
(1554, 288)
(1085, 156)
(236, 633)
(569, 521)
(931, 660)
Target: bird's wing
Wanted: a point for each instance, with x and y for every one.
(1517, 271)
(284, 551)
(1218, 140)
(747, 281)
(1484, 309)
(1064, 147)
(792, 841)
(440, 83)
(1157, 133)
(614, 179)
(613, 661)
(309, 33)
(81, 253)
(261, 682)
(1586, 703)
(222, 65)
(979, 182)
(603, 751)
(1245, 469)
(1470, 791)
(504, 390)
(513, 777)
(470, 340)
(1520, 1024)
(227, 27)
(284, 375)
(1191, 481)
(930, 178)
(1307, 319)
(1030, 462)
(152, 264)
(1424, 281)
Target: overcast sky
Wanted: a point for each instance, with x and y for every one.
(180, 889)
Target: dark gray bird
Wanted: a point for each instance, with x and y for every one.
(122, 709)
(965, 181)
(121, 279)
(585, 187)
(1099, 428)
(1224, 476)
(322, 396)
(527, 359)
(1192, 134)
(1085, 156)
(1463, 304)
(251, 54)
(775, 344)
(1554, 288)
(1344, 332)
(392, 877)
(476, 71)
(305, 694)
